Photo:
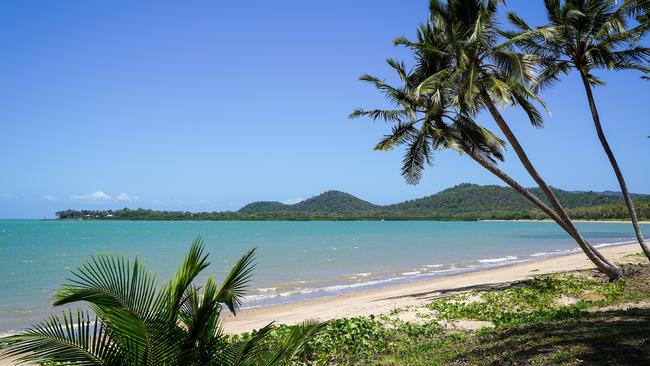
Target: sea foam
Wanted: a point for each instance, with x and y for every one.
(496, 260)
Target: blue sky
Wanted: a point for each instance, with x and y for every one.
(204, 105)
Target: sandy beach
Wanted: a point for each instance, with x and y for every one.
(382, 301)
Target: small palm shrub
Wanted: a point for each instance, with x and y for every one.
(134, 321)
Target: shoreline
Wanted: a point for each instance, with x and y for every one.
(261, 219)
(383, 300)
(412, 275)
(574, 220)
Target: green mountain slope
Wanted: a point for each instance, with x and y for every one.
(330, 202)
(472, 201)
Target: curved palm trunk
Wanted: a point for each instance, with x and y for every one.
(614, 163)
(611, 270)
(591, 253)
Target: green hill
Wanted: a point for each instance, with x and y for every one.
(462, 202)
(330, 202)
(472, 201)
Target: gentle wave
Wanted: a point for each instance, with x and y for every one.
(411, 273)
(496, 260)
(614, 243)
(540, 254)
(363, 274)
(427, 271)
(577, 250)
(341, 288)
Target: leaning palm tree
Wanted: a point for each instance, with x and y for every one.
(486, 75)
(425, 119)
(585, 36)
(135, 322)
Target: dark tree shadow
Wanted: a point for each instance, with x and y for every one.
(606, 338)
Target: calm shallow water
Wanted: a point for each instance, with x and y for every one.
(296, 260)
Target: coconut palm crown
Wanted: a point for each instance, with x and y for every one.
(135, 322)
(424, 119)
(476, 64)
(584, 35)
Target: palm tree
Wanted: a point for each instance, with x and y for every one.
(638, 10)
(584, 36)
(425, 120)
(135, 322)
(486, 75)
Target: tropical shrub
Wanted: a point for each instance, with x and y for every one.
(133, 321)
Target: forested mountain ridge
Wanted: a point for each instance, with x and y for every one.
(329, 202)
(462, 202)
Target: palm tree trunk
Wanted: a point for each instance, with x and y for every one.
(614, 163)
(517, 187)
(608, 268)
(604, 266)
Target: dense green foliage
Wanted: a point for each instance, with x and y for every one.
(462, 202)
(360, 338)
(133, 321)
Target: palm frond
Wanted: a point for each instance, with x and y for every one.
(433, 82)
(518, 21)
(394, 115)
(401, 133)
(234, 286)
(400, 68)
(244, 353)
(70, 340)
(522, 99)
(283, 352)
(110, 281)
(416, 156)
(175, 290)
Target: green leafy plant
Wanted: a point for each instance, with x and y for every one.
(133, 321)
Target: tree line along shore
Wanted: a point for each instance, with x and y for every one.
(462, 202)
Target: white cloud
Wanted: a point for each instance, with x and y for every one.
(125, 197)
(7, 196)
(99, 195)
(292, 201)
(48, 197)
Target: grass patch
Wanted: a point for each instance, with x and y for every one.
(534, 300)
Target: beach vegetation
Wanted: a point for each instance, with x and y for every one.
(568, 319)
(358, 338)
(536, 300)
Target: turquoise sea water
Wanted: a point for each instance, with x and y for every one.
(296, 260)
